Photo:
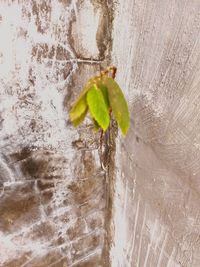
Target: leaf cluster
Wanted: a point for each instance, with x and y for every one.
(101, 96)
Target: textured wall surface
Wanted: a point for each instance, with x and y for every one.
(156, 47)
(52, 188)
(55, 199)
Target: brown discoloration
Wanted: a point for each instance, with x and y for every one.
(31, 77)
(45, 184)
(84, 246)
(94, 261)
(65, 2)
(109, 162)
(78, 144)
(77, 229)
(43, 230)
(54, 259)
(33, 125)
(34, 168)
(20, 261)
(62, 207)
(62, 71)
(95, 222)
(51, 52)
(42, 11)
(71, 38)
(24, 153)
(46, 196)
(83, 191)
(104, 33)
(68, 96)
(40, 51)
(55, 58)
(17, 207)
(61, 53)
(84, 188)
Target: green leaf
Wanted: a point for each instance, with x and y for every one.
(98, 107)
(104, 91)
(77, 121)
(80, 106)
(118, 103)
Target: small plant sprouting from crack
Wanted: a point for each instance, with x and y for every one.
(101, 96)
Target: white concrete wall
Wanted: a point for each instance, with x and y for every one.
(156, 47)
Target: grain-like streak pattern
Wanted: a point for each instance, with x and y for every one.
(157, 50)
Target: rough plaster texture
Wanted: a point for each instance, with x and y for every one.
(55, 200)
(52, 188)
(156, 47)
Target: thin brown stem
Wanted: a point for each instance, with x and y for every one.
(114, 70)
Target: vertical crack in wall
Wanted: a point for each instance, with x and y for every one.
(109, 163)
(104, 43)
(105, 11)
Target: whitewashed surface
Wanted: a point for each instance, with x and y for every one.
(54, 208)
(52, 188)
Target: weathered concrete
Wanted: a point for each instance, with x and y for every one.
(53, 192)
(55, 200)
(157, 201)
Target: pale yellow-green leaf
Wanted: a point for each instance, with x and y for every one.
(104, 91)
(80, 119)
(97, 107)
(80, 105)
(118, 103)
(78, 108)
